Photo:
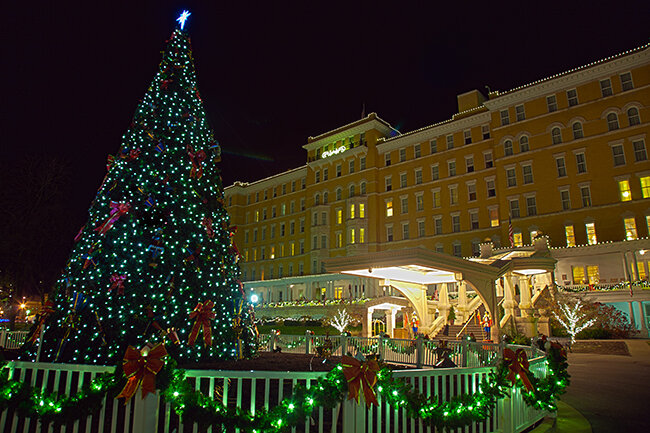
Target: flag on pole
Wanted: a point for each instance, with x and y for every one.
(511, 233)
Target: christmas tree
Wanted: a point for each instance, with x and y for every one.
(155, 261)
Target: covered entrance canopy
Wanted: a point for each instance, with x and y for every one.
(411, 270)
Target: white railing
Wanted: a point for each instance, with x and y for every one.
(418, 353)
(12, 339)
(262, 390)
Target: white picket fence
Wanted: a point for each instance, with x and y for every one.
(418, 353)
(256, 390)
(12, 339)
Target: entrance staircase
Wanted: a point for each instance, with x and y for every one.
(458, 331)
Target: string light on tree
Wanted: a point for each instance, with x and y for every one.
(157, 239)
(341, 320)
(573, 318)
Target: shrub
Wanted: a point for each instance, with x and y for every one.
(594, 334)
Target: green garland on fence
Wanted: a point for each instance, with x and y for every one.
(329, 390)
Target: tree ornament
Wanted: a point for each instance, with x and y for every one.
(203, 314)
(141, 367)
(117, 282)
(197, 159)
(43, 313)
(207, 223)
(117, 210)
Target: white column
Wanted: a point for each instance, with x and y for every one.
(524, 296)
(390, 322)
(644, 328)
(632, 321)
(443, 301)
(508, 296)
(368, 329)
(462, 301)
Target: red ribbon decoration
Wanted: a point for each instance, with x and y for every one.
(46, 309)
(117, 210)
(207, 223)
(117, 282)
(141, 367)
(197, 159)
(203, 314)
(517, 363)
(361, 375)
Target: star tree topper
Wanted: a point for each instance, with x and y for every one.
(183, 17)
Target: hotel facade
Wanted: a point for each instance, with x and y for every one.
(564, 157)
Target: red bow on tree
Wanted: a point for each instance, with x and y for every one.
(203, 314)
(517, 363)
(361, 375)
(207, 223)
(141, 367)
(117, 210)
(117, 282)
(46, 309)
(197, 159)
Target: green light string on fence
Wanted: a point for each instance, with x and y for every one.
(328, 391)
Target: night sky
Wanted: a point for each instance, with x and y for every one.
(273, 73)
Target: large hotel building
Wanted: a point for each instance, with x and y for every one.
(565, 157)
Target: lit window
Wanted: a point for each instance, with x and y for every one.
(520, 113)
(593, 274)
(507, 148)
(633, 116)
(618, 155)
(389, 208)
(640, 153)
(572, 97)
(630, 229)
(436, 198)
(626, 81)
(570, 236)
(645, 187)
(351, 211)
(351, 236)
(338, 292)
(591, 233)
(551, 103)
(606, 87)
(293, 249)
(517, 239)
(556, 135)
(257, 216)
(624, 190)
(362, 235)
(339, 240)
(494, 217)
(362, 210)
(578, 273)
(577, 130)
(339, 216)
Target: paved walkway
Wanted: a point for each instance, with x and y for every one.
(611, 391)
